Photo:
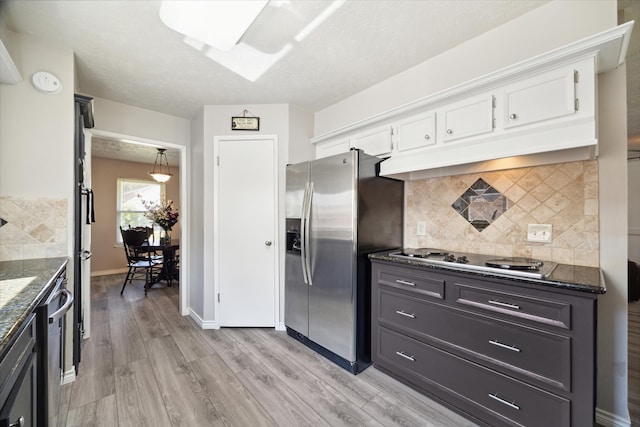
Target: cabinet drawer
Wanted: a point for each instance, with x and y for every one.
(535, 354)
(536, 309)
(414, 280)
(17, 353)
(488, 394)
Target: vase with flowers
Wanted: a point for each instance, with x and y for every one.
(164, 214)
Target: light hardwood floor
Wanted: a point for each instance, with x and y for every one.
(145, 365)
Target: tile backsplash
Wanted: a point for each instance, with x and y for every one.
(32, 228)
(564, 195)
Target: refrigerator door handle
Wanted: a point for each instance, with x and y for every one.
(303, 246)
(307, 246)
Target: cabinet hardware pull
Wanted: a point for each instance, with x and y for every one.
(427, 137)
(404, 282)
(508, 347)
(404, 313)
(449, 131)
(504, 304)
(513, 116)
(19, 423)
(405, 355)
(504, 402)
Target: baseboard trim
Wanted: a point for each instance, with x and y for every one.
(281, 327)
(607, 419)
(109, 272)
(69, 376)
(204, 324)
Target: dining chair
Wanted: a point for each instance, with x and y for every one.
(155, 255)
(141, 263)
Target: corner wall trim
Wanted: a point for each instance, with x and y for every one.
(607, 419)
(204, 324)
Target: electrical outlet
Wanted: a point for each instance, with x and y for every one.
(421, 228)
(539, 233)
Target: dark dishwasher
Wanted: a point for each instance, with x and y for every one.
(50, 317)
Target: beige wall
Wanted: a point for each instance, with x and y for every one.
(564, 195)
(36, 154)
(107, 256)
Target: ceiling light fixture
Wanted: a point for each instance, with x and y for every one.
(159, 173)
(220, 24)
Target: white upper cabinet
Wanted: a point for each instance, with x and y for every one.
(541, 110)
(331, 147)
(467, 118)
(415, 132)
(543, 97)
(375, 142)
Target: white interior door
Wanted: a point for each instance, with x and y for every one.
(247, 255)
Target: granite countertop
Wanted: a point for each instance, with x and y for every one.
(564, 276)
(23, 284)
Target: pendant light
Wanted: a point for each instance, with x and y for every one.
(161, 171)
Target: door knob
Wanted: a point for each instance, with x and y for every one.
(267, 243)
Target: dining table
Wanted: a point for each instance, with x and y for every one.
(169, 271)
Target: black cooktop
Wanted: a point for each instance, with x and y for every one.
(514, 266)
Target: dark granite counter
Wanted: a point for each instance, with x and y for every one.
(23, 284)
(564, 276)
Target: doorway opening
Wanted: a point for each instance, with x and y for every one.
(116, 151)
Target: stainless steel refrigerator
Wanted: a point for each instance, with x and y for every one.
(338, 210)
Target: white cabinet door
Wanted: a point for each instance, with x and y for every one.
(374, 142)
(329, 148)
(543, 97)
(416, 132)
(467, 118)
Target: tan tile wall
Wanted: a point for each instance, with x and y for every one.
(564, 195)
(35, 228)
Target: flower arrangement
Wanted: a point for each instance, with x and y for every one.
(161, 213)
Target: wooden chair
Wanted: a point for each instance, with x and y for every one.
(149, 231)
(140, 262)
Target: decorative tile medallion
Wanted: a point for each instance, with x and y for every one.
(481, 204)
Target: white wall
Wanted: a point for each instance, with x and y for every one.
(196, 218)
(548, 27)
(36, 130)
(634, 210)
(300, 132)
(612, 307)
(137, 122)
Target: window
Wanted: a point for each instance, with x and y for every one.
(130, 211)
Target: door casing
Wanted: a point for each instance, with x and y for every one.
(211, 271)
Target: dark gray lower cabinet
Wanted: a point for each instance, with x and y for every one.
(18, 381)
(501, 352)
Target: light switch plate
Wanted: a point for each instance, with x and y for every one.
(421, 228)
(539, 233)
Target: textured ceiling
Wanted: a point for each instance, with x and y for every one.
(119, 150)
(124, 52)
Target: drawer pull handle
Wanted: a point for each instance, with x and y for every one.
(504, 304)
(404, 313)
(406, 356)
(404, 282)
(507, 346)
(504, 402)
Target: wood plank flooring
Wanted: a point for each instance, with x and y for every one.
(633, 350)
(145, 365)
